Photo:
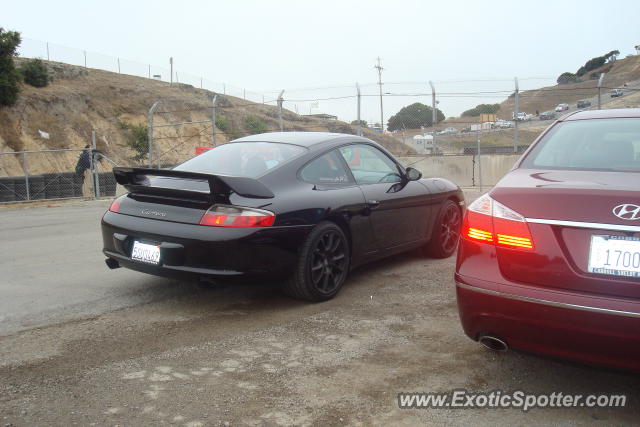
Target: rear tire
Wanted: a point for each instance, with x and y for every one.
(323, 265)
(446, 231)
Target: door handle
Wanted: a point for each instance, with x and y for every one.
(373, 203)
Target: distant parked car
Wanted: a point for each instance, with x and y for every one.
(583, 103)
(562, 107)
(547, 115)
(522, 116)
(448, 131)
(504, 124)
(616, 92)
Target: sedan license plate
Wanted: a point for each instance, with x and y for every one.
(146, 253)
(615, 255)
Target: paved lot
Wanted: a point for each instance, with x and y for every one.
(83, 345)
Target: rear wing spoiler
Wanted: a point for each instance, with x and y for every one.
(137, 180)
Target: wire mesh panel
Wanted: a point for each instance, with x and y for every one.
(42, 175)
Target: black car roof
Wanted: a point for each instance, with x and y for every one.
(305, 139)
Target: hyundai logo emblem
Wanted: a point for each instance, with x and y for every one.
(627, 211)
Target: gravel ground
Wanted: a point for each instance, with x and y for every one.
(247, 355)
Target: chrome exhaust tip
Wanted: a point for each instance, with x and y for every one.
(493, 343)
(112, 263)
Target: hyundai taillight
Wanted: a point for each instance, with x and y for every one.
(489, 221)
(235, 216)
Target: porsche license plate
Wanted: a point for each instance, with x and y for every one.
(615, 255)
(145, 252)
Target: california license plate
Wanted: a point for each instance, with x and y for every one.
(615, 255)
(145, 252)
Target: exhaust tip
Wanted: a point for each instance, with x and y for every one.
(112, 263)
(493, 343)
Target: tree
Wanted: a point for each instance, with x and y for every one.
(9, 76)
(413, 116)
(362, 123)
(612, 56)
(481, 109)
(35, 73)
(567, 77)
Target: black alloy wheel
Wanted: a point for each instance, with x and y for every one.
(446, 231)
(323, 264)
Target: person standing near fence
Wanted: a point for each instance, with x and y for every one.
(83, 170)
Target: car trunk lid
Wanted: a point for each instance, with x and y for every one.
(564, 210)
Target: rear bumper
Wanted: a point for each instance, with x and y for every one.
(192, 251)
(591, 329)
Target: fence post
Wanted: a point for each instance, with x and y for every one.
(434, 117)
(150, 131)
(280, 101)
(92, 163)
(600, 80)
(26, 174)
(359, 99)
(213, 121)
(516, 133)
(479, 159)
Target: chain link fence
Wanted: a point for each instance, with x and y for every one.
(54, 175)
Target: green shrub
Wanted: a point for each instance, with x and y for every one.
(223, 124)
(35, 73)
(254, 125)
(137, 138)
(9, 76)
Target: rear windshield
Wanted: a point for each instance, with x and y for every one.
(597, 144)
(247, 159)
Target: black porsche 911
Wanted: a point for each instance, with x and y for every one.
(305, 207)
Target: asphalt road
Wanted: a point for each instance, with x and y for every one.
(52, 268)
(83, 345)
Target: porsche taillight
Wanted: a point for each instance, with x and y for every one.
(236, 216)
(489, 221)
(115, 206)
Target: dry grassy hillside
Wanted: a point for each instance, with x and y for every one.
(79, 101)
(618, 73)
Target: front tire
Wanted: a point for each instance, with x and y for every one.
(323, 265)
(446, 230)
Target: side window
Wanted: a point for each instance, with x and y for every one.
(326, 169)
(370, 165)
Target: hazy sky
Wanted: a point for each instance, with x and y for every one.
(271, 45)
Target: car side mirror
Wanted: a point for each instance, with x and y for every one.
(413, 174)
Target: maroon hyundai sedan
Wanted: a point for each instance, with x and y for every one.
(549, 259)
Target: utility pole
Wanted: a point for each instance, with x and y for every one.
(85, 58)
(171, 65)
(600, 80)
(516, 134)
(213, 121)
(434, 117)
(152, 110)
(280, 101)
(359, 99)
(379, 68)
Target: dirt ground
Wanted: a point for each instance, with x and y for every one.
(248, 355)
